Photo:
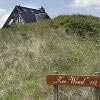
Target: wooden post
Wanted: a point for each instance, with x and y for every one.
(97, 90)
(55, 89)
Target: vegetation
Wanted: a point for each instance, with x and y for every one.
(67, 44)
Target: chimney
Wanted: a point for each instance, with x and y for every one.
(42, 10)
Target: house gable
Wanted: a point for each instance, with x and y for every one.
(18, 20)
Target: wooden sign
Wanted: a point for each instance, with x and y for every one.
(88, 81)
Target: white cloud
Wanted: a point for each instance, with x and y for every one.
(3, 16)
(2, 12)
(95, 4)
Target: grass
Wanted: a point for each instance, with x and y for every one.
(29, 52)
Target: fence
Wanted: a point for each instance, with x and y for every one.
(84, 81)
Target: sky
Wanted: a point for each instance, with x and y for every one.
(52, 7)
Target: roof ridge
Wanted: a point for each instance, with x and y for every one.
(26, 7)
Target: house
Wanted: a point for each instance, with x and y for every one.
(22, 15)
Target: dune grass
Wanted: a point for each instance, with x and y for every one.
(29, 52)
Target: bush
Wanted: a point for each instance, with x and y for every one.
(80, 25)
(81, 28)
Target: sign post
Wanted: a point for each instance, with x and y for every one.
(55, 88)
(84, 81)
(97, 90)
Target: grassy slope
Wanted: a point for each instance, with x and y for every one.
(29, 52)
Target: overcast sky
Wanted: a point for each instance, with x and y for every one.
(52, 7)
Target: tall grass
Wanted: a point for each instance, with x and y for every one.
(29, 52)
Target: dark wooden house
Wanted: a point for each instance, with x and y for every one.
(22, 15)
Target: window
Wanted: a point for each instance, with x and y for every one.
(40, 16)
(11, 21)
